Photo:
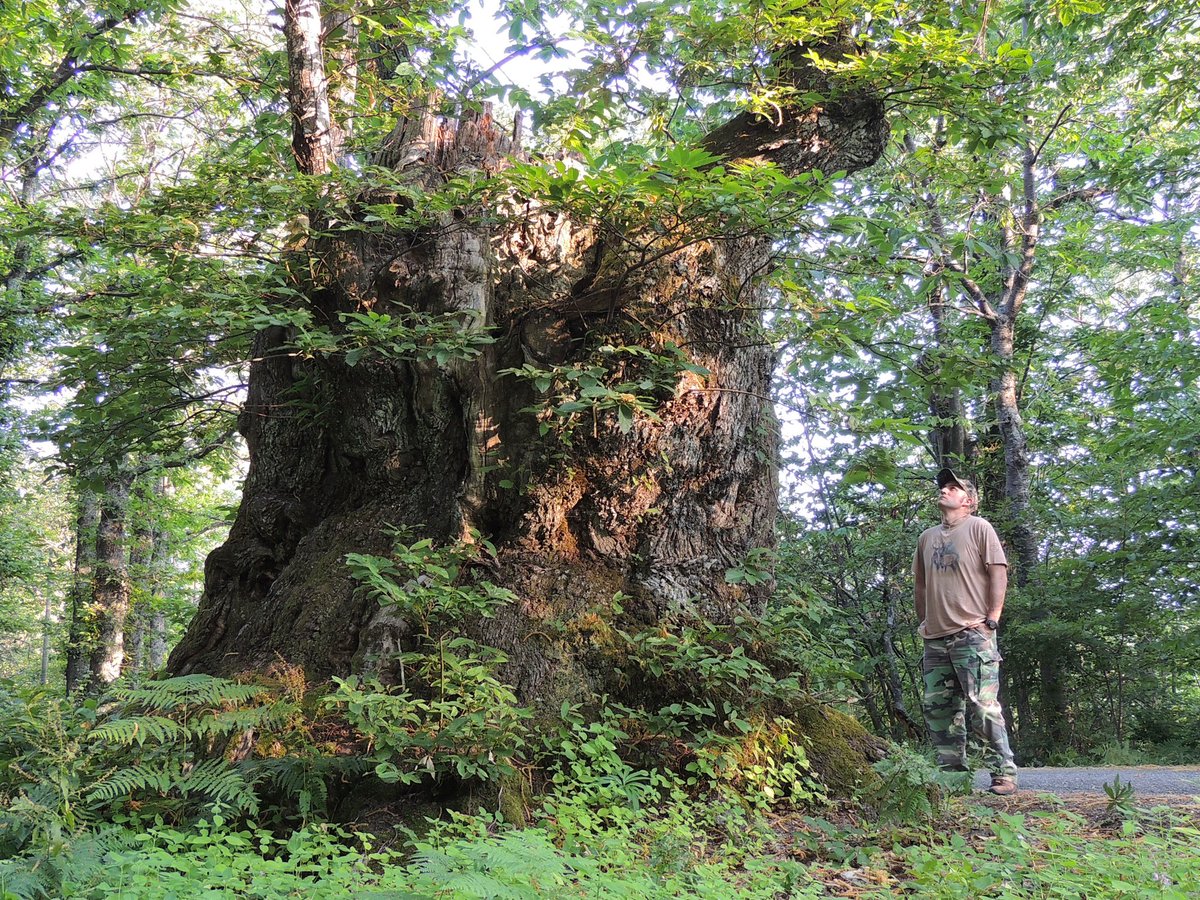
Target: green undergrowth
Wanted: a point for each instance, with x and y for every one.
(1055, 854)
(468, 860)
(602, 827)
(670, 847)
(202, 787)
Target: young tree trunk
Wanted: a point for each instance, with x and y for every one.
(156, 656)
(868, 690)
(87, 518)
(110, 588)
(1016, 455)
(657, 508)
(47, 621)
(146, 554)
(140, 554)
(1052, 657)
(948, 436)
(904, 726)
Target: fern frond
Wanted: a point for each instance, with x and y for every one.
(233, 721)
(518, 865)
(483, 886)
(130, 780)
(307, 778)
(213, 780)
(18, 879)
(186, 690)
(216, 780)
(139, 729)
(530, 858)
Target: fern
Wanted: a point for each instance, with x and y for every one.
(221, 784)
(234, 721)
(130, 780)
(213, 780)
(57, 870)
(910, 789)
(535, 859)
(518, 865)
(139, 729)
(306, 778)
(17, 880)
(183, 691)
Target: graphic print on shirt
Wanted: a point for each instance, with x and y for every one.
(945, 557)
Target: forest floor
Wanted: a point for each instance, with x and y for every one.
(982, 845)
(1095, 808)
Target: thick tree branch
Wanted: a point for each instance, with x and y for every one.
(313, 138)
(845, 133)
(1016, 282)
(1076, 195)
(974, 291)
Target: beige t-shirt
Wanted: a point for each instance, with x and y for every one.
(955, 561)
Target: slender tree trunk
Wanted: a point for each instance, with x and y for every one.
(948, 437)
(1016, 455)
(141, 559)
(315, 136)
(47, 617)
(146, 558)
(1052, 658)
(340, 31)
(903, 723)
(157, 656)
(86, 521)
(1023, 725)
(110, 591)
(867, 694)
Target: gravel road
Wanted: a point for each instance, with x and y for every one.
(1147, 781)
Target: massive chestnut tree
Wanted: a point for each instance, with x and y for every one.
(636, 454)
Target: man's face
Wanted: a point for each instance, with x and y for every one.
(952, 498)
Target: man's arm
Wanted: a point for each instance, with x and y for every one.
(919, 586)
(997, 586)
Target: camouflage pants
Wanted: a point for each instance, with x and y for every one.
(962, 687)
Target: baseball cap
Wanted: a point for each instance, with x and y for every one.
(947, 476)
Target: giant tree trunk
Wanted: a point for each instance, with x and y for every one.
(657, 509)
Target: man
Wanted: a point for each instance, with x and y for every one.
(960, 575)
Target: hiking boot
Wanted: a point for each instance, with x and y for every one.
(1004, 785)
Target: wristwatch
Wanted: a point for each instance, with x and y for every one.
(991, 624)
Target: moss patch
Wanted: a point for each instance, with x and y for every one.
(841, 751)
